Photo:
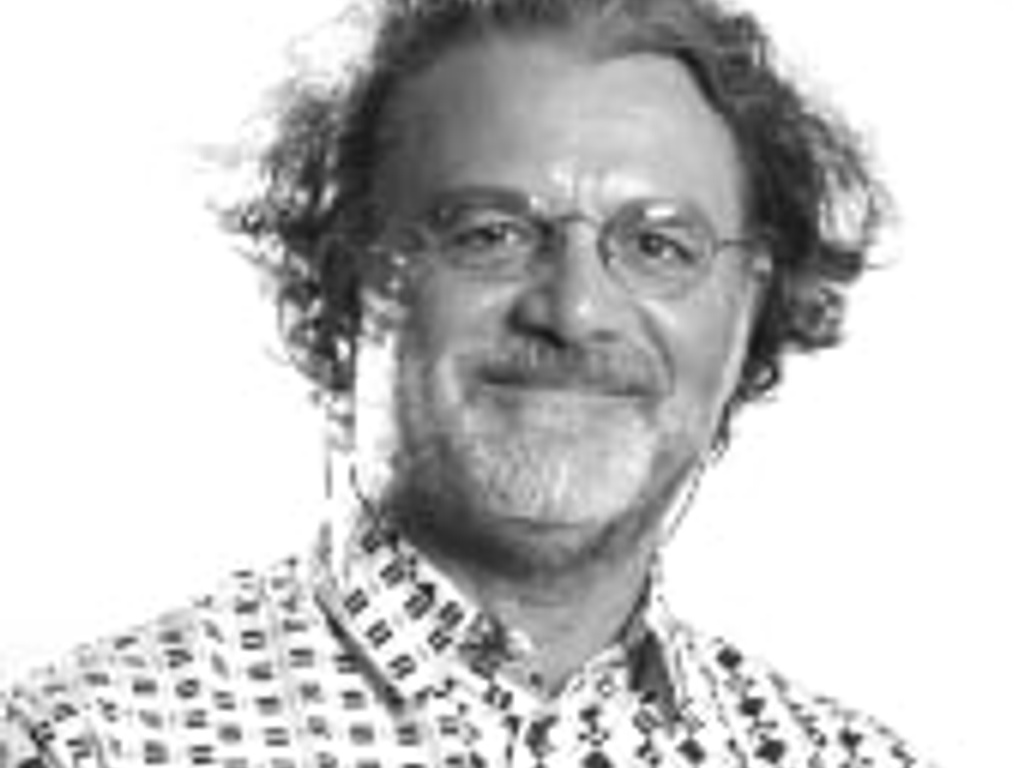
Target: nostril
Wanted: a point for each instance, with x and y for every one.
(535, 316)
(572, 298)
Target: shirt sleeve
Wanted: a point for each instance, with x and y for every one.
(845, 736)
(775, 721)
(44, 724)
(19, 746)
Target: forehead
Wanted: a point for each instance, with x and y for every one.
(545, 119)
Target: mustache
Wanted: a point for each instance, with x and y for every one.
(604, 368)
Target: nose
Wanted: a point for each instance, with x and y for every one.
(574, 299)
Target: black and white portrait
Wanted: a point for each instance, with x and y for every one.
(510, 382)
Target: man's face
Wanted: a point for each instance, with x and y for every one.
(551, 412)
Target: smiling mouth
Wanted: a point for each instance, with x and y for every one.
(567, 387)
(592, 375)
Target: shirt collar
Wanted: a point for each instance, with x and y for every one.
(417, 630)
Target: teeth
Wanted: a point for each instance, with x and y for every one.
(541, 366)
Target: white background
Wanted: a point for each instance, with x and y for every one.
(862, 534)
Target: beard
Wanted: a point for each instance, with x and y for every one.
(532, 466)
(554, 459)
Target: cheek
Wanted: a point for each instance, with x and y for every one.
(447, 323)
(704, 348)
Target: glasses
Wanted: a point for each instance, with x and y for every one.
(652, 248)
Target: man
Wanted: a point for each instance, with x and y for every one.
(565, 240)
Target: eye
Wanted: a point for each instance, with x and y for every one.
(484, 235)
(486, 239)
(665, 250)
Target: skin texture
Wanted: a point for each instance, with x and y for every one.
(544, 499)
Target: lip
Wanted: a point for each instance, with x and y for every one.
(523, 391)
(560, 380)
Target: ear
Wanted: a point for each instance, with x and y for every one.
(760, 269)
(383, 302)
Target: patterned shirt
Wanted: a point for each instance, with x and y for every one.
(369, 658)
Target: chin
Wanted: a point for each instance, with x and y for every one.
(542, 499)
(539, 483)
(550, 477)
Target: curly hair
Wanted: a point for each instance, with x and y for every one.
(809, 189)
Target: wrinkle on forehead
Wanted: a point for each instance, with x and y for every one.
(584, 134)
(594, 192)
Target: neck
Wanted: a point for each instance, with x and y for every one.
(569, 621)
(569, 614)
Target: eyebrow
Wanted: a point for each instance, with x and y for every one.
(448, 200)
(478, 194)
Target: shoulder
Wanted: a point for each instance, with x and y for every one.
(134, 697)
(773, 720)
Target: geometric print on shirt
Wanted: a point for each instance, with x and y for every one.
(369, 657)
